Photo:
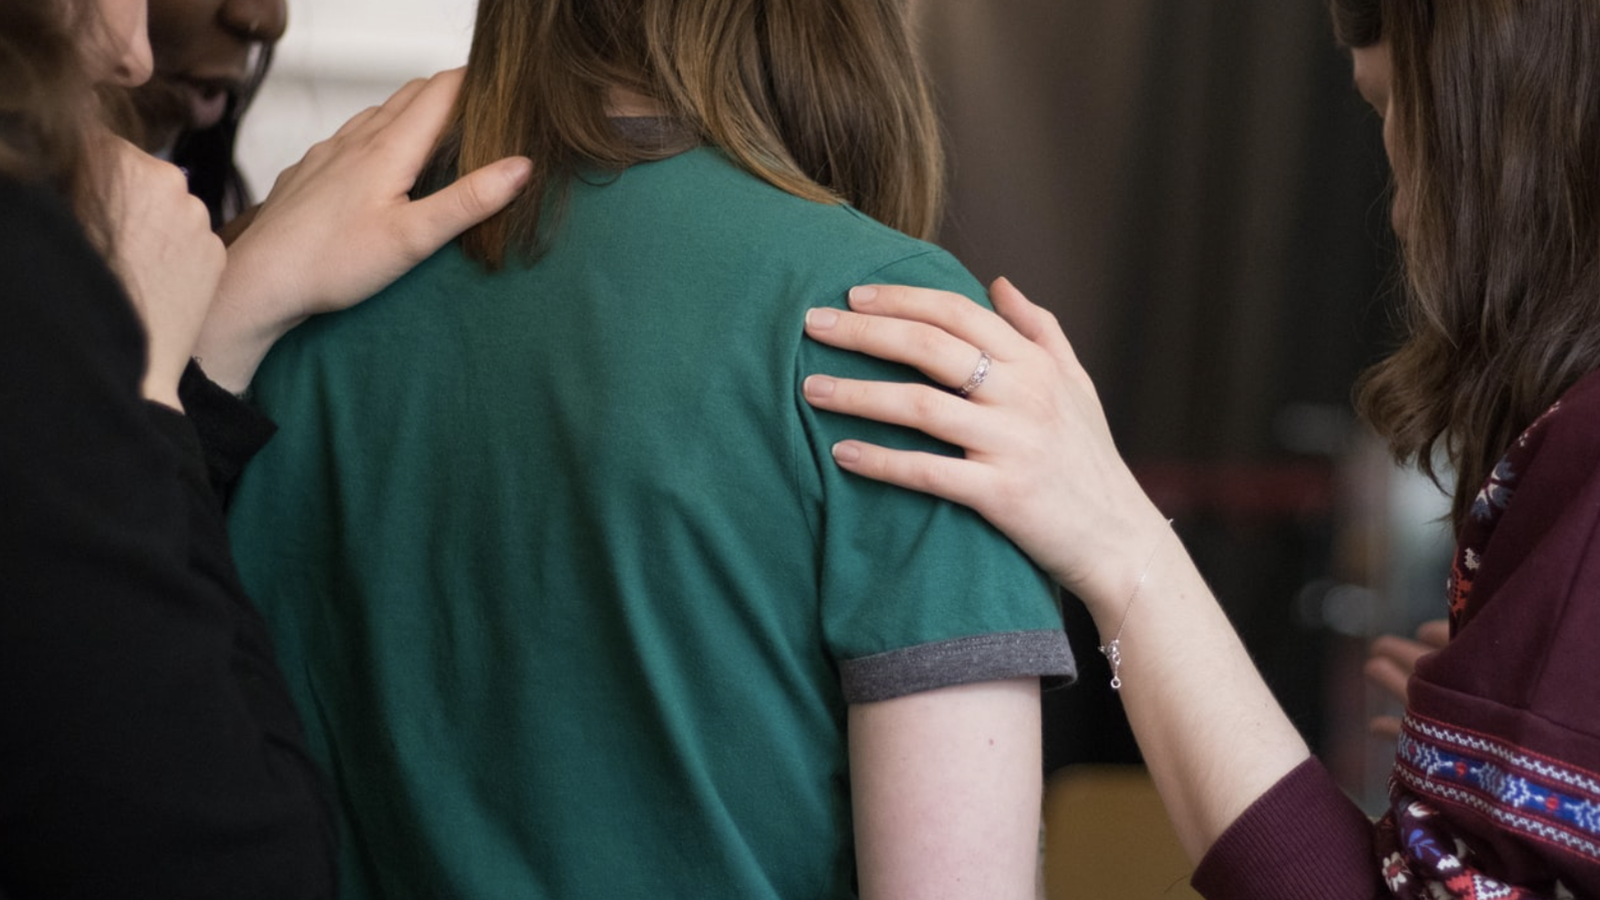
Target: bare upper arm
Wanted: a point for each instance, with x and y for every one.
(946, 788)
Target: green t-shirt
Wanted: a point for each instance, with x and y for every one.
(564, 579)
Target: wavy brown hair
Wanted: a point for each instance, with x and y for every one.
(1496, 157)
(825, 99)
(49, 106)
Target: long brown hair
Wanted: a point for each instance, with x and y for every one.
(49, 105)
(1496, 156)
(825, 99)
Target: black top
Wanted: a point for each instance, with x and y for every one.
(148, 747)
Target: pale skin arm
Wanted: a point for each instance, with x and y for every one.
(1041, 466)
(946, 788)
(340, 225)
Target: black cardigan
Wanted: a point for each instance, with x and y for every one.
(148, 746)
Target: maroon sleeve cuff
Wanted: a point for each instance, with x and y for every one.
(1303, 838)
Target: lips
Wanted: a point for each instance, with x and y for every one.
(207, 99)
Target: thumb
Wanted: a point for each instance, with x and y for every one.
(471, 199)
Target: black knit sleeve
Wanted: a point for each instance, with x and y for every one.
(147, 744)
(231, 431)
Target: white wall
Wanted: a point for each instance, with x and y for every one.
(337, 58)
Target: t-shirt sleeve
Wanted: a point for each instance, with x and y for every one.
(918, 593)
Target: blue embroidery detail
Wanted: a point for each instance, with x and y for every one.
(1496, 492)
(1522, 792)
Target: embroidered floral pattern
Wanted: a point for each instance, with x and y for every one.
(1496, 493)
(1439, 767)
(1491, 501)
(1459, 585)
(1432, 865)
(1552, 803)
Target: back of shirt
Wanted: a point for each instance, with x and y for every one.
(563, 574)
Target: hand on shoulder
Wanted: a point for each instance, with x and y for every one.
(1040, 463)
(340, 225)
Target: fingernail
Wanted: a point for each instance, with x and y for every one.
(818, 386)
(846, 452)
(822, 318)
(519, 170)
(863, 294)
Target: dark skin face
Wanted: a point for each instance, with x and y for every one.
(204, 50)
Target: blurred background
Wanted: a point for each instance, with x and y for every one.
(1196, 190)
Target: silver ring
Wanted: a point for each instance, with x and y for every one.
(978, 374)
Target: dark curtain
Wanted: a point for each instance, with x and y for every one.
(1196, 190)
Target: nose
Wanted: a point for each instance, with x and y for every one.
(256, 20)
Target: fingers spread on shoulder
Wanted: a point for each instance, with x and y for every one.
(950, 477)
(930, 349)
(929, 410)
(353, 125)
(375, 118)
(398, 136)
(397, 103)
(954, 313)
(417, 112)
(446, 82)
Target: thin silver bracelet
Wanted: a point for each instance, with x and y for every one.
(1113, 650)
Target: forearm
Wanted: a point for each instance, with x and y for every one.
(1211, 733)
(244, 322)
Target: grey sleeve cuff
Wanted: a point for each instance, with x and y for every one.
(984, 657)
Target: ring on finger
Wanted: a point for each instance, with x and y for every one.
(979, 373)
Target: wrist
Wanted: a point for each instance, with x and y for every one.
(1112, 648)
(161, 388)
(240, 330)
(1125, 551)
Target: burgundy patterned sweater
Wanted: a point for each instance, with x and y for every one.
(1496, 786)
